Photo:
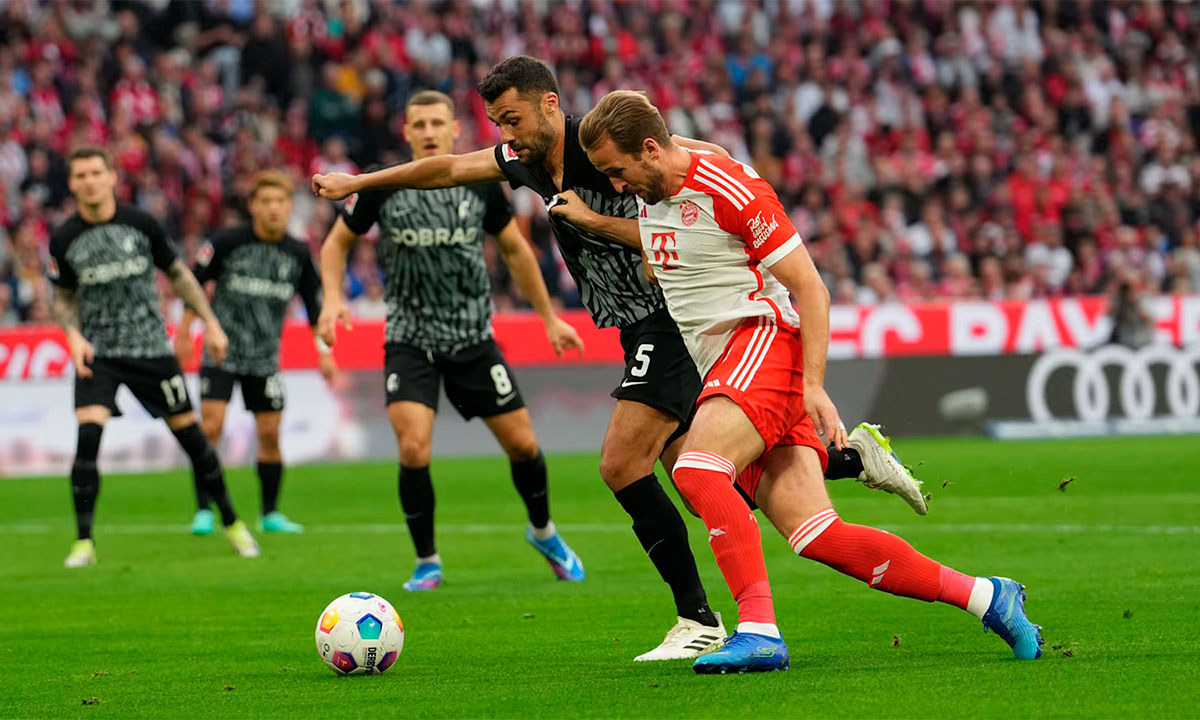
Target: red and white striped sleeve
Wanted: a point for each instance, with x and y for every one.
(747, 206)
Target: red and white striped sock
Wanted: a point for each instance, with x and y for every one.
(886, 562)
(706, 480)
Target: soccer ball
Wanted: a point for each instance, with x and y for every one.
(359, 634)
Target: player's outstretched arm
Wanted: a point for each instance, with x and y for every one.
(333, 273)
(691, 144)
(798, 274)
(574, 210)
(427, 173)
(188, 289)
(518, 256)
(66, 311)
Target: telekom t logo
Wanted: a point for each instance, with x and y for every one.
(663, 245)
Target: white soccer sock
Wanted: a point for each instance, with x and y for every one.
(544, 533)
(981, 597)
(757, 628)
(434, 559)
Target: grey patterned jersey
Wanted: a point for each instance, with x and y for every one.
(431, 250)
(256, 281)
(609, 275)
(110, 266)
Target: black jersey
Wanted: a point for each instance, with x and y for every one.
(608, 274)
(256, 281)
(431, 251)
(110, 266)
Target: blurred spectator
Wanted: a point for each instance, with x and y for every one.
(923, 149)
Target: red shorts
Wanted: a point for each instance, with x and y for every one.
(762, 371)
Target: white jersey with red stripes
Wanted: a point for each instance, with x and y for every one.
(710, 245)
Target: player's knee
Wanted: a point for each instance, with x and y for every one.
(268, 445)
(619, 468)
(522, 448)
(415, 452)
(212, 430)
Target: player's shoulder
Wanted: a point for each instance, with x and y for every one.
(227, 239)
(723, 177)
(295, 246)
(62, 235)
(136, 217)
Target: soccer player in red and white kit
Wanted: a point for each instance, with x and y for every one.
(726, 256)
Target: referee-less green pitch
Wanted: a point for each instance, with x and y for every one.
(172, 625)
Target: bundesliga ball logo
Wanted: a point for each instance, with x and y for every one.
(359, 634)
(690, 212)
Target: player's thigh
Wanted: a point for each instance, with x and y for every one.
(262, 393)
(410, 376)
(158, 385)
(413, 424)
(659, 371)
(96, 396)
(792, 487)
(722, 428)
(633, 441)
(212, 418)
(514, 432)
(267, 425)
(479, 382)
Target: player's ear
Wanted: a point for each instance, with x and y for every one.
(457, 129)
(549, 103)
(404, 131)
(651, 148)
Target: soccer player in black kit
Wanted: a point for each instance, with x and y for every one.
(102, 264)
(439, 328)
(257, 270)
(657, 395)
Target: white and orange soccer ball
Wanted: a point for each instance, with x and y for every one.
(360, 634)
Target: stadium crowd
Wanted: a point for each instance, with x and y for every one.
(927, 149)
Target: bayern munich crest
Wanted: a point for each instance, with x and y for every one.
(690, 212)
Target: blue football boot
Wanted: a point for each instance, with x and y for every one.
(745, 652)
(427, 576)
(1006, 617)
(563, 560)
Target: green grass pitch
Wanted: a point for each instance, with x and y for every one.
(168, 625)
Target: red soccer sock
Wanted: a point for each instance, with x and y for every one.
(880, 559)
(706, 480)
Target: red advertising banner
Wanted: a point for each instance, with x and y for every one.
(964, 328)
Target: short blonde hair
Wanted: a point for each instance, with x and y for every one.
(628, 118)
(271, 178)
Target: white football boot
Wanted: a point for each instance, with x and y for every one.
(83, 553)
(686, 641)
(242, 541)
(882, 470)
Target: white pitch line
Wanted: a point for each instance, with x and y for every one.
(501, 529)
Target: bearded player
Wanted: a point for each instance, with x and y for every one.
(726, 257)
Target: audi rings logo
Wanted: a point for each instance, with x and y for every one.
(1135, 383)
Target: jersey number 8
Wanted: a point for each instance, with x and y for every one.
(500, 378)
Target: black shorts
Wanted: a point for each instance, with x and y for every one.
(156, 382)
(659, 372)
(479, 382)
(260, 393)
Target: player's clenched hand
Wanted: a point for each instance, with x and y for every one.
(82, 355)
(572, 208)
(329, 368)
(648, 270)
(333, 186)
(563, 337)
(184, 349)
(825, 416)
(216, 342)
(331, 312)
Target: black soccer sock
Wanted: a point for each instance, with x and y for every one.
(270, 477)
(663, 535)
(85, 478)
(206, 470)
(530, 478)
(416, 500)
(846, 463)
